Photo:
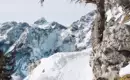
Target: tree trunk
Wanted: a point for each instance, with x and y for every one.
(99, 24)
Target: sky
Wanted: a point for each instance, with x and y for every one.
(61, 11)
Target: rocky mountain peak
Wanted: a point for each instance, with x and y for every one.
(41, 21)
(43, 39)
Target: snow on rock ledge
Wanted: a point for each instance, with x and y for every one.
(125, 70)
(63, 66)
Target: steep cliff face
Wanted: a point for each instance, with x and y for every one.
(113, 52)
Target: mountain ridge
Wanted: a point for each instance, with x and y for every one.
(43, 39)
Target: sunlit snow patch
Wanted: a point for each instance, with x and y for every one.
(125, 70)
(63, 66)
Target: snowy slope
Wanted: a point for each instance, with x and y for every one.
(63, 66)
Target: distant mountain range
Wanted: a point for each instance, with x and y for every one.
(43, 39)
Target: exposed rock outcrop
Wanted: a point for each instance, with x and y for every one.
(113, 52)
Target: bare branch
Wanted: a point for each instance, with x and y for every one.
(77, 1)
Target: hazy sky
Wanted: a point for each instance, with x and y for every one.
(29, 11)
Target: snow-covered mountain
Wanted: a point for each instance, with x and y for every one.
(42, 39)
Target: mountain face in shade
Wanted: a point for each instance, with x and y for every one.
(42, 39)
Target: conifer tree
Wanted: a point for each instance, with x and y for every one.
(6, 66)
